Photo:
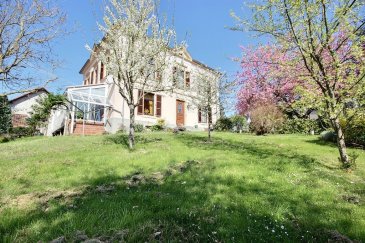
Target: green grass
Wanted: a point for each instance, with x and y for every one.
(242, 188)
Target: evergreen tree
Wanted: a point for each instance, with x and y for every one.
(5, 115)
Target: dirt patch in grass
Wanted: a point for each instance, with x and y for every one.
(80, 236)
(25, 200)
(134, 180)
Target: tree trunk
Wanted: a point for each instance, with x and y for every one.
(341, 143)
(209, 135)
(131, 126)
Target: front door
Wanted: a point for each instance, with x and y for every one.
(180, 113)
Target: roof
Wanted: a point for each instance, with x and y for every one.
(29, 93)
(83, 67)
(185, 54)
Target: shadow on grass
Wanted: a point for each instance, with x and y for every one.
(320, 142)
(123, 139)
(261, 151)
(190, 206)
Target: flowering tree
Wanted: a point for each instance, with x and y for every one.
(206, 96)
(134, 51)
(325, 35)
(266, 77)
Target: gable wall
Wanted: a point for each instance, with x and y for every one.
(24, 105)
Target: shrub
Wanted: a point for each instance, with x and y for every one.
(354, 130)
(223, 124)
(266, 119)
(4, 138)
(159, 126)
(18, 132)
(138, 128)
(301, 126)
(156, 128)
(239, 123)
(353, 156)
(43, 108)
(5, 115)
(161, 122)
(328, 136)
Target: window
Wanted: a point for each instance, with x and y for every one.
(203, 116)
(147, 102)
(158, 75)
(187, 79)
(91, 112)
(181, 78)
(90, 102)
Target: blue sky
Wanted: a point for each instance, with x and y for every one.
(202, 23)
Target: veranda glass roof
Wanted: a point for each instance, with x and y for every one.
(92, 95)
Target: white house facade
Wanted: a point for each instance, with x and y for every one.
(22, 106)
(98, 107)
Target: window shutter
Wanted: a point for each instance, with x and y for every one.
(174, 75)
(140, 104)
(92, 77)
(199, 115)
(96, 75)
(101, 71)
(158, 105)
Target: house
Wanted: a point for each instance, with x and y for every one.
(98, 107)
(22, 106)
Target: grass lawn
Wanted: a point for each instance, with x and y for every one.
(238, 188)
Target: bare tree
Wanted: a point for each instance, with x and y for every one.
(135, 51)
(27, 29)
(207, 96)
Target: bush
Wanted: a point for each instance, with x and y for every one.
(301, 126)
(138, 127)
(159, 126)
(18, 132)
(239, 123)
(328, 136)
(5, 115)
(4, 138)
(161, 122)
(42, 110)
(354, 130)
(156, 128)
(223, 124)
(266, 119)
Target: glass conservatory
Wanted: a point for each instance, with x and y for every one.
(87, 104)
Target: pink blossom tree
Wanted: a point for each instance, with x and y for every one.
(326, 38)
(267, 76)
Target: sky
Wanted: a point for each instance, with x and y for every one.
(203, 24)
